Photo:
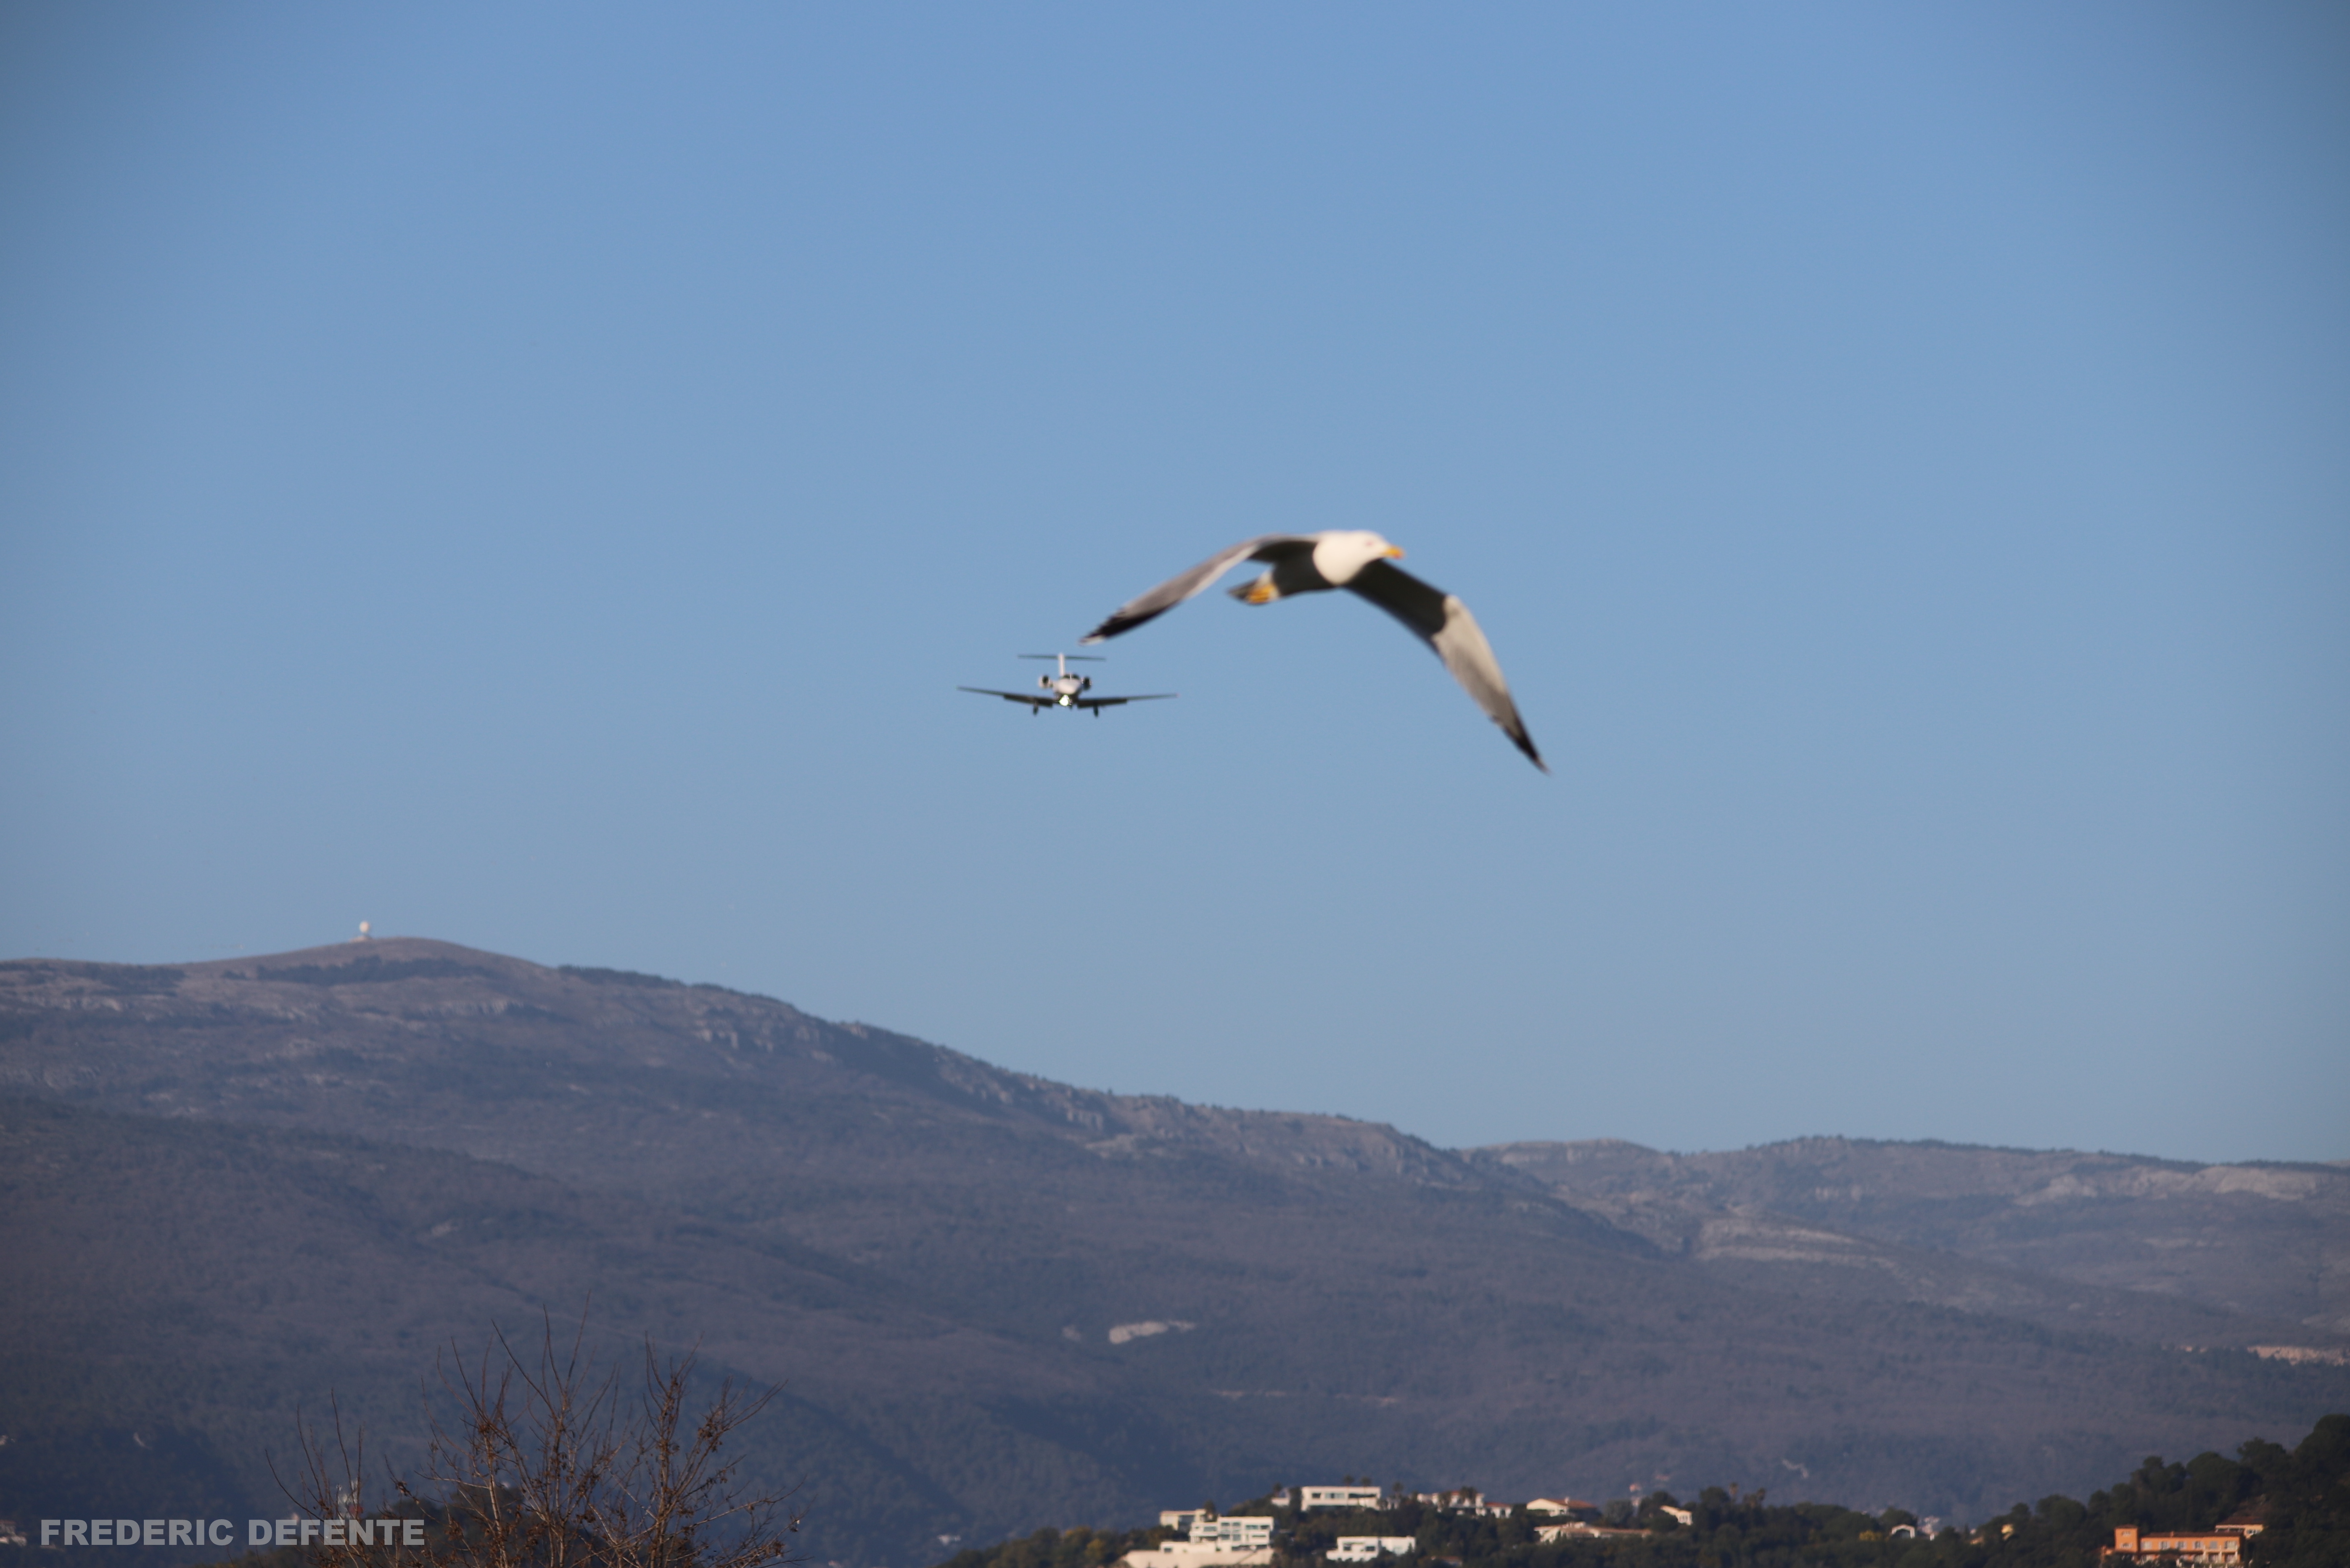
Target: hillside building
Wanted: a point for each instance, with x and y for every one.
(1572, 1507)
(2222, 1544)
(1314, 1497)
(1576, 1529)
(1467, 1499)
(1198, 1554)
(1369, 1548)
(1243, 1541)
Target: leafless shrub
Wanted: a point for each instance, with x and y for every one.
(548, 1461)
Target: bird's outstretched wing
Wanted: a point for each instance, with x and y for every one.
(1114, 701)
(1030, 697)
(1445, 624)
(1190, 584)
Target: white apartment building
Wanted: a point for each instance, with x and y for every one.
(1369, 1548)
(1339, 1497)
(1240, 1529)
(1198, 1554)
(1243, 1541)
(1573, 1506)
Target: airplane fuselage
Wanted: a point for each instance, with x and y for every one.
(1063, 689)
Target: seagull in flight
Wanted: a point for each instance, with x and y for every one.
(1355, 559)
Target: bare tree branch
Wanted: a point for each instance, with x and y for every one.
(541, 1462)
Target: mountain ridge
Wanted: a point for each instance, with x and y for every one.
(997, 1301)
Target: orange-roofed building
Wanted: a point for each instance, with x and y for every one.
(2220, 1544)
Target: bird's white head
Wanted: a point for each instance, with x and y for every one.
(1342, 553)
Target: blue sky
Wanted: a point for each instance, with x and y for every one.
(534, 476)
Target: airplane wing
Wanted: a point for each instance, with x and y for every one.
(1032, 700)
(1114, 701)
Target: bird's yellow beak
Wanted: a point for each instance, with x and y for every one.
(1395, 551)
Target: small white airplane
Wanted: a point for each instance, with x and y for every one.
(1063, 689)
